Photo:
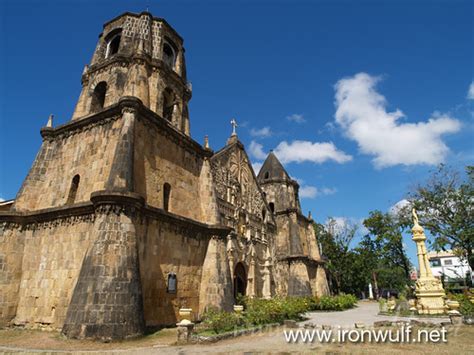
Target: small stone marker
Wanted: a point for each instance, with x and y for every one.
(185, 327)
(184, 332)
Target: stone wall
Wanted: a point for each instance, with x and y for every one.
(42, 262)
(88, 153)
(159, 159)
(166, 247)
(12, 239)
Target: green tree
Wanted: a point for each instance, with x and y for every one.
(342, 264)
(393, 266)
(368, 256)
(445, 206)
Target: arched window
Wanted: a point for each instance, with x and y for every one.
(168, 104)
(272, 206)
(264, 214)
(73, 190)
(98, 97)
(267, 175)
(113, 42)
(169, 55)
(171, 286)
(166, 196)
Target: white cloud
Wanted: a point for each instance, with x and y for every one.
(256, 167)
(470, 92)
(308, 192)
(296, 118)
(341, 224)
(256, 150)
(328, 191)
(338, 224)
(298, 180)
(262, 132)
(361, 112)
(300, 151)
(400, 205)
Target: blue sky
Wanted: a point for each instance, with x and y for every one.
(360, 99)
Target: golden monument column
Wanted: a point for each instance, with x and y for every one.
(429, 290)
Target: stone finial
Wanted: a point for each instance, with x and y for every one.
(50, 121)
(86, 69)
(206, 142)
(309, 215)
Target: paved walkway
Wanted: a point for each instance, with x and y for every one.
(365, 312)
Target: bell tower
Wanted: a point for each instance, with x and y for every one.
(141, 56)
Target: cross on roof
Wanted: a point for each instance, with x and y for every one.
(233, 122)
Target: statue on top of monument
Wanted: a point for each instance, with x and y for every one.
(415, 217)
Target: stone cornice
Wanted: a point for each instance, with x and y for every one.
(301, 258)
(151, 63)
(160, 214)
(111, 198)
(282, 181)
(47, 214)
(111, 113)
(172, 132)
(114, 112)
(299, 215)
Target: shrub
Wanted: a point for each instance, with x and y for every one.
(466, 307)
(335, 303)
(259, 311)
(221, 321)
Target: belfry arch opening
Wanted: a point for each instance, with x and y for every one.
(113, 42)
(98, 97)
(169, 55)
(240, 281)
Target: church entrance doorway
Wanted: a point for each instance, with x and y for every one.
(240, 280)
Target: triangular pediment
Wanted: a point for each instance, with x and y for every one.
(235, 180)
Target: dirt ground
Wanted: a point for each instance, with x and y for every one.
(460, 341)
(11, 339)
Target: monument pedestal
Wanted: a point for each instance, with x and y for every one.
(430, 295)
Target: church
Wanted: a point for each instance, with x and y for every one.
(123, 218)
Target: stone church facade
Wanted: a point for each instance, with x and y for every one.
(123, 218)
